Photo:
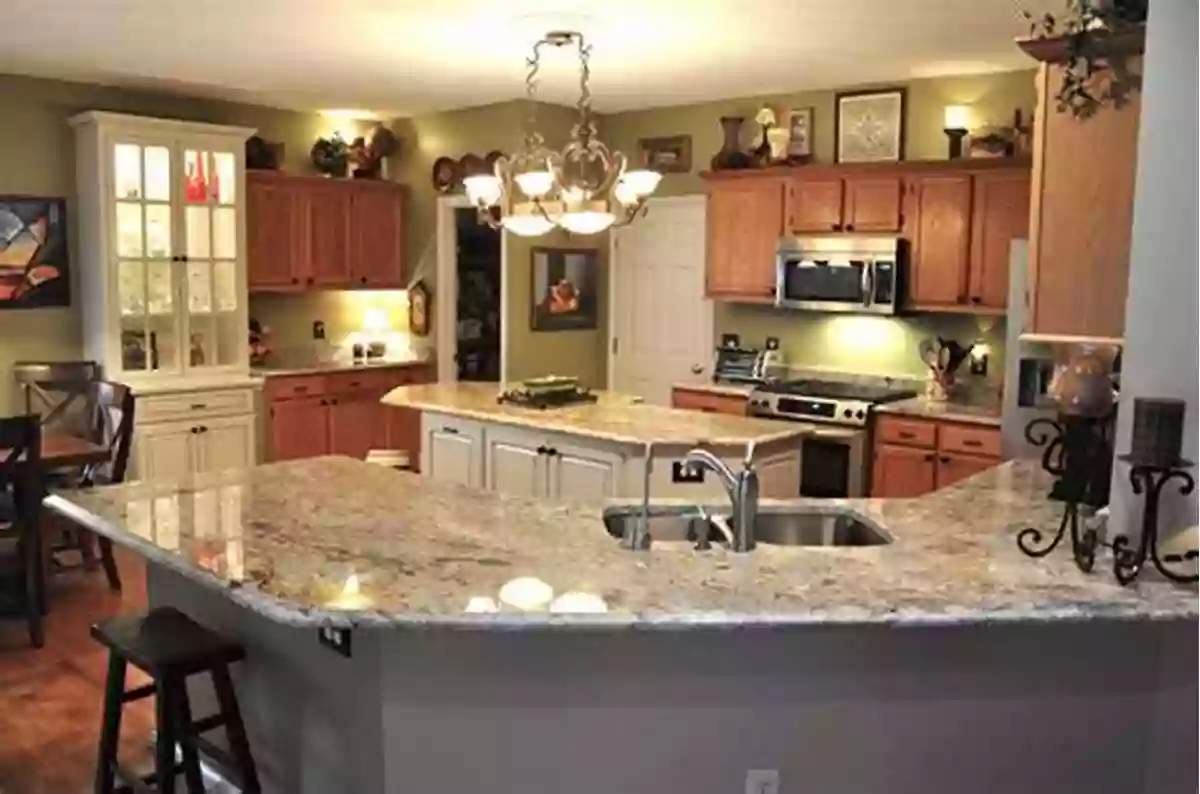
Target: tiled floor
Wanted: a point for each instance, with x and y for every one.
(51, 699)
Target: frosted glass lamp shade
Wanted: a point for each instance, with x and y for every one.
(956, 117)
(643, 181)
(587, 222)
(483, 190)
(535, 184)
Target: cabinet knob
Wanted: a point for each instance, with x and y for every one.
(849, 227)
(931, 457)
(194, 430)
(943, 459)
(837, 227)
(552, 452)
(542, 450)
(295, 280)
(310, 280)
(203, 429)
(363, 280)
(976, 300)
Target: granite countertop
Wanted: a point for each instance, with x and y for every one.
(723, 389)
(283, 539)
(312, 366)
(981, 410)
(613, 417)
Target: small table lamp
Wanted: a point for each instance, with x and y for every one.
(956, 121)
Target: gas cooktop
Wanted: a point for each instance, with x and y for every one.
(822, 401)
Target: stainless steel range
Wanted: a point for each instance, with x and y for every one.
(834, 461)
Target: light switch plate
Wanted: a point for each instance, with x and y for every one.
(762, 781)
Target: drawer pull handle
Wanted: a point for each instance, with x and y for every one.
(906, 435)
(199, 406)
(300, 389)
(972, 442)
(450, 430)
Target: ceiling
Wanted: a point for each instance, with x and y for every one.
(400, 57)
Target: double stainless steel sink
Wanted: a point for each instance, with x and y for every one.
(772, 526)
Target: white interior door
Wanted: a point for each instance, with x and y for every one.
(662, 329)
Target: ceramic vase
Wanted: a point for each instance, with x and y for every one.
(1082, 386)
(731, 156)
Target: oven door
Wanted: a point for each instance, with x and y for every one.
(832, 465)
(805, 281)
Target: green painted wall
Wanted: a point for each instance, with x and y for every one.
(880, 346)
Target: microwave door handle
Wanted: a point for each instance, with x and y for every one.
(868, 283)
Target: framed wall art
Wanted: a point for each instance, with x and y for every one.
(33, 253)
(670, 155)
(564, 289)
(869, 126)
(799, 127)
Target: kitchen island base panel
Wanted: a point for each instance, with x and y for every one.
(1098, 706)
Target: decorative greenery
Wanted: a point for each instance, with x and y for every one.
(1083, 27)
(330, 155)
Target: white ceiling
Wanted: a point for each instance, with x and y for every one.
(402, 57)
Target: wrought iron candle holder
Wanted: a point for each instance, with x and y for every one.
(1149, 478)
(1078, 452)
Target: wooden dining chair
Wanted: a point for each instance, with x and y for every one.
(20, 533)
(112, 407)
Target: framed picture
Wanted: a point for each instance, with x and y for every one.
(418, 309)
(564, 289)
(672, 155)
(33, 253)
(869, 126)
(799, 126)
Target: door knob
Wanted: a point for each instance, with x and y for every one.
(697, 369)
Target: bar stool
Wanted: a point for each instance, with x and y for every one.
(169, 646)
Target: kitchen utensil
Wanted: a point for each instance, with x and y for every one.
(929, 350)
(954, 355)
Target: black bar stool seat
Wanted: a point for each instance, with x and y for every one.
(169, 646)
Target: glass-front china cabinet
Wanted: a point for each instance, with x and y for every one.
(162, 276)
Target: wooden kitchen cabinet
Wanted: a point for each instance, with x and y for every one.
(708, 402)
(1081, 219)
(353, 422)
(902, 472)
(299, 428)
(814, 206)
(952, 468)
(938, 219)
(305, 233)
(271, 219)
(377, 255)
(873, 204)
(999, 215)
(914, 456)
(745, 220)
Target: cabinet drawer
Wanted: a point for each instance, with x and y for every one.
(971, 439)
(354, 382)
(193, 405)
(707, 402)
(906, 432)
(293, 387)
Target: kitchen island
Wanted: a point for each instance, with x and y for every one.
(592, 451)
(941, 661)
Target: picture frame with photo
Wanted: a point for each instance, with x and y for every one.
(666, 155)
(869, 126)
(564, 294)
(799, 127)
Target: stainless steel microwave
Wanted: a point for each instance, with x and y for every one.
(839, 274)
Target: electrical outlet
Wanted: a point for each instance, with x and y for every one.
(683, 471)
(318, 329)
(762, 781)
(335, 639)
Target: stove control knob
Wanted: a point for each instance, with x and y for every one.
(847, 413)
(860, 415)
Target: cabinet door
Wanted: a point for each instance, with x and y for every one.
(450, 454)
(270, 233)
(1000, 214)
(329, 234)
(940, 221)
(901, 472)
(404, 433)
(299, 428)
(815, 205)
(167, 451)
(779, 477)
(352, 422)
(745, 219)
(952, 468)
(582, 474)
(375, 221)
(226, 443)
(872, 204)
(515, 463)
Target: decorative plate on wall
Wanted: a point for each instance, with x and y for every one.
(445, 174)
(418, 309)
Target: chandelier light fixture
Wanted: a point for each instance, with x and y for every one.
(584, 189)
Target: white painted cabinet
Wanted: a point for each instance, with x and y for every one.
(225, 443)
(452, 449)
(165, 451)
(580, 473)
(515, 463)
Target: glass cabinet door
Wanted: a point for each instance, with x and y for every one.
(143, 254)
(215, 337)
